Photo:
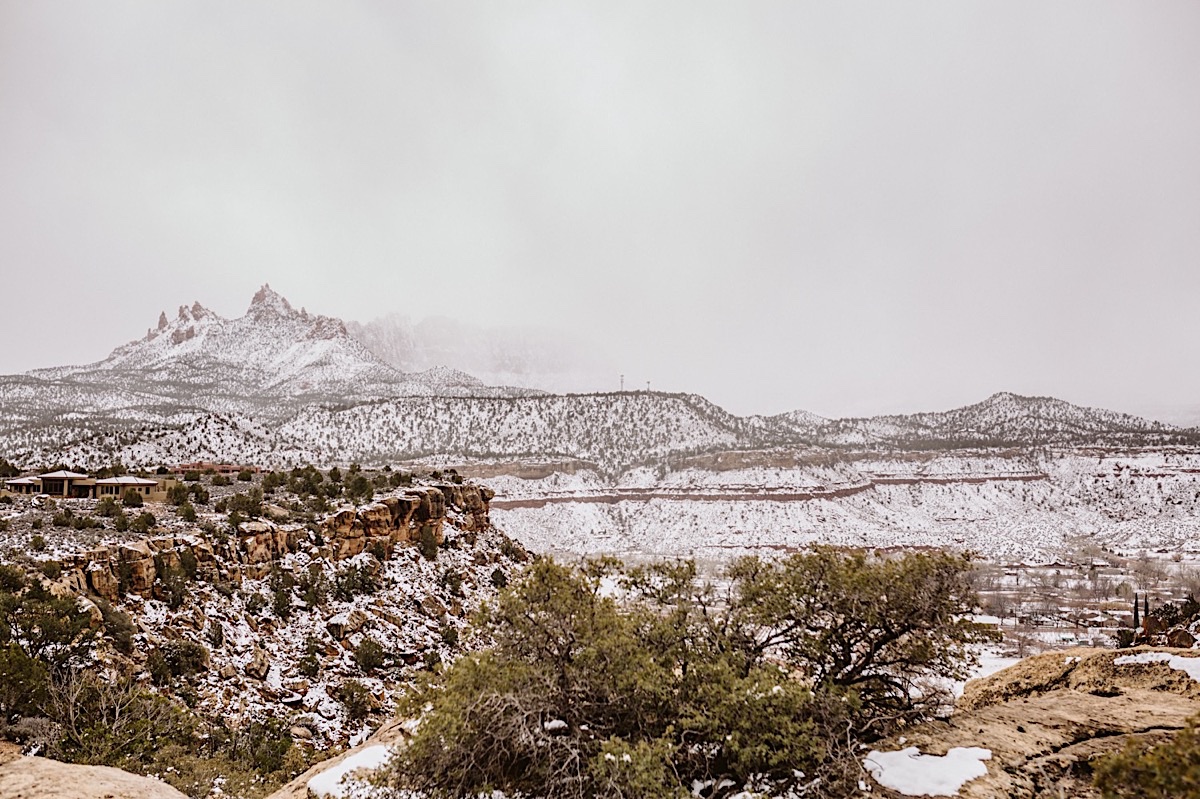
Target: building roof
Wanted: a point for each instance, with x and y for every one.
(126, 480)
(62, 475)
(23, 481)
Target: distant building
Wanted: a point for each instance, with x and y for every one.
(73, 485)
(219, 468)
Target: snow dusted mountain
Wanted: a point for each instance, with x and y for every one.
(274, 353)
(1001, 420)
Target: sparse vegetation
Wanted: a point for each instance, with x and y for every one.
(782, 674)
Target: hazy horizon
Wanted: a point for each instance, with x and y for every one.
(846, 209)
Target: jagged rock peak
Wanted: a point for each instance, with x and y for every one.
(267, 301)
(194, 313)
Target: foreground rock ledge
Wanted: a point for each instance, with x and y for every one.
(1045, 718)
(39, 778)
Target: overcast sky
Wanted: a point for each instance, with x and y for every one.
(843, 207)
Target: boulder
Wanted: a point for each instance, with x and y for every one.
(259, 666)
(1180, 638)
(102, 582)
(142, 575)
(1152, 625)
(346, 624)
(276, 513)
(433, 607)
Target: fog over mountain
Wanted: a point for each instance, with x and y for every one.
(528, 357)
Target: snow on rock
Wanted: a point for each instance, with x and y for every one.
(914, 774)
(1188, 665)
(339, 782)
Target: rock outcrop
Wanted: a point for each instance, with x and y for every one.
(1045, 718)
(39, 778)
(406, 517)
(140, 567)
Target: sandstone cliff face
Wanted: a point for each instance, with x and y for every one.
(140, 567)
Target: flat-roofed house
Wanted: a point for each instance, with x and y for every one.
(23, 485)
(117, 486)
(73, 485)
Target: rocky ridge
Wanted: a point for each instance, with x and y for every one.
(272, 613)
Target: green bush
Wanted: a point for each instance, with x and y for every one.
(369, 654)
(313, 586)
(132, 498)
(221, 480)
(12, 579)
(38, 543)
(354, 580)
(255, 603)
(187, 512)
(118, 626)
(245, 475)
(281, 584)
(178, 494)
(1167, 771)
(452, 581)
(776, 679)
(144, 522)
(427, 541)
(355, 698)
(45, 627)
(191, 476)
(107, 508)
(248, 504)
(359, 489)
(310, 663)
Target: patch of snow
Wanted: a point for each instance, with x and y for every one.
(914, 774)
(1189, 666)
(332, 784)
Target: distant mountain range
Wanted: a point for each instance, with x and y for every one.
(281, 385)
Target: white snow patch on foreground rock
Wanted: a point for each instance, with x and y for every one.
(331, 785)
(1189, 666)
(914, 774)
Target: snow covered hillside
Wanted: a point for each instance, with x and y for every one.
(1042, 507)
(200, 360)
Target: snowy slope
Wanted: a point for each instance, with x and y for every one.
(1003, 419)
